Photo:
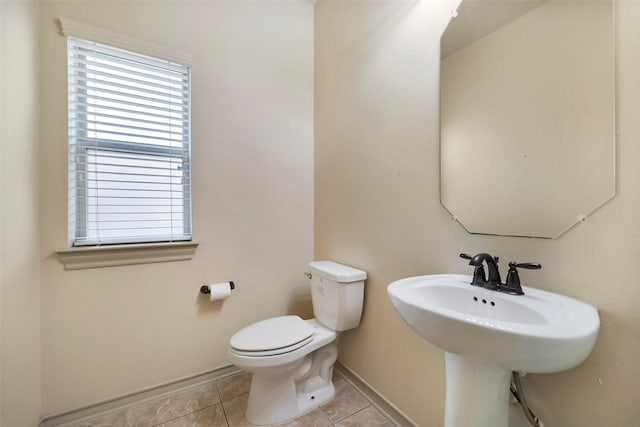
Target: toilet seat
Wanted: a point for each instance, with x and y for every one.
(271, 337)
(321, 337)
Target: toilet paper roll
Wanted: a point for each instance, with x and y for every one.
(220, 291)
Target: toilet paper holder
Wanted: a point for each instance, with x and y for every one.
(204, 289)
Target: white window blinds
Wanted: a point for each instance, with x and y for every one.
(129, 146)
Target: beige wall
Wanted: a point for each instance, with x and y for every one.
(377, 208)
(111, 331)
(19, 265)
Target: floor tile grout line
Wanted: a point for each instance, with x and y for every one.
(224, 411)
(351, 414)
(219, 402)
(168, 397)
(189, 413)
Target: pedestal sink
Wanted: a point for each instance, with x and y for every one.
(487, 334)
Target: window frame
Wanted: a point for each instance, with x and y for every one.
(142, 250)
(81, 143)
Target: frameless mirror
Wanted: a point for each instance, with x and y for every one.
(527, 129)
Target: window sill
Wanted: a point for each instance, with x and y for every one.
(110, 256)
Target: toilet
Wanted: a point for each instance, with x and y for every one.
(290, 359)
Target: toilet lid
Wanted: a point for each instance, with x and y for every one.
(272, 334)
(273, 352)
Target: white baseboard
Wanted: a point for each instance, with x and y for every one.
(134, 398)
(387, 408)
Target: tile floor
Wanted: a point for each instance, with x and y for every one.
(222, 404)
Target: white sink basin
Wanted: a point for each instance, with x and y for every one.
(488, 334)
(535, 332)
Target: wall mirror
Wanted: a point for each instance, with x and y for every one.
(527, 115)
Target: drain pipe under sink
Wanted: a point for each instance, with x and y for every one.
(518, 393)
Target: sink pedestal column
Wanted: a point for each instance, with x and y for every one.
(477, 392)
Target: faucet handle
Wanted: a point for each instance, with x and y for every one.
(526, 265)
(469, 257)
(512, 284)
(479, 276)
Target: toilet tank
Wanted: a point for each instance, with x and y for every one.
(337, 293)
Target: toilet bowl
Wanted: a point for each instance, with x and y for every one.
(290, 359)
(290, 381)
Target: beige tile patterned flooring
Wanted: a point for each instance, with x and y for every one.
(222, 404)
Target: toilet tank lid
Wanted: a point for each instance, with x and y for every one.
(337, 272)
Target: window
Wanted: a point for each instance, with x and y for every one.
(129, 147)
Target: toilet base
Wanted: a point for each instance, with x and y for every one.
(289, 391)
